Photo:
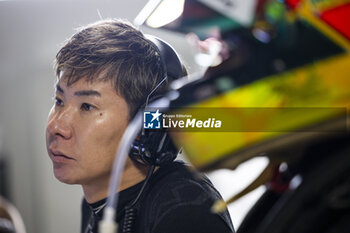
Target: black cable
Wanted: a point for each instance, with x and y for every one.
(130, 210)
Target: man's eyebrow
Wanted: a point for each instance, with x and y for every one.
(59, 88)
(87, 93)
(80, 93)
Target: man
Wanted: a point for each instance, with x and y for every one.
(104, 74)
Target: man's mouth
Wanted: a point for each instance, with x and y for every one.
(58, 156)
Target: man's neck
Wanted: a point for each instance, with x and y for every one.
(98, 190)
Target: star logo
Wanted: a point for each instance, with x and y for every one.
(156, 115)
(151, 120)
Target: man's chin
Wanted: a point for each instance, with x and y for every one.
(64, 178)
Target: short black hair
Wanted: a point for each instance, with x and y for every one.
(113, 50)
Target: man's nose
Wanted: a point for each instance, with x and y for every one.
(60, 123)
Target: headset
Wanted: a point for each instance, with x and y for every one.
(155, 147)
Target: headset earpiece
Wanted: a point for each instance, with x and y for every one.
(155, 147)
(171, 62)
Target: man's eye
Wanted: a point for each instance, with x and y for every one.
(86, 107)
(58, 101)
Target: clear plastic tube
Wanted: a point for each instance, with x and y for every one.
(118, 166)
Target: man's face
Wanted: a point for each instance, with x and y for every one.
(83, 131)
